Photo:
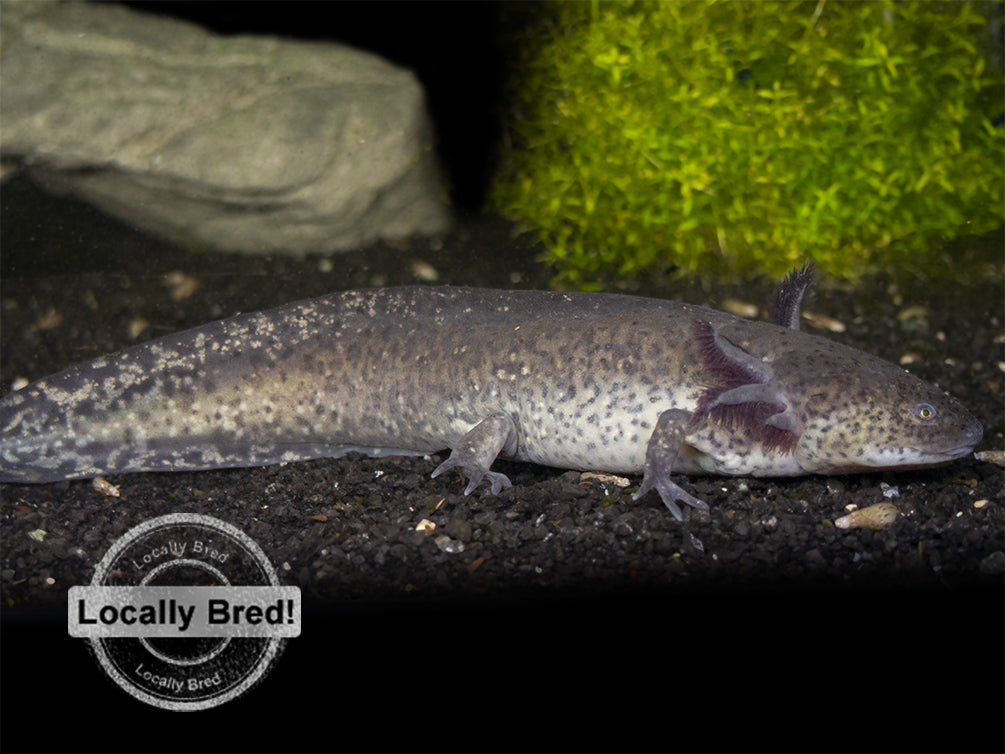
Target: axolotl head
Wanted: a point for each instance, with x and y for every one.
(822, 407)
(858, 412)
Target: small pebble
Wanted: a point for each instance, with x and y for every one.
(824, 322)
(997, 457)
(48, 321)
(180, 286)
(425, 272)
(137, 326)
(617, 481)
(105, 487)
(741, 308)
(427, 526)
(446, 544)
(914, 319)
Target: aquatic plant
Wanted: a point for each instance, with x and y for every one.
(750, 137)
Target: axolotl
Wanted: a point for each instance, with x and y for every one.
(586, 381)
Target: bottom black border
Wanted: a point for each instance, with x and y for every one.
(745, 669)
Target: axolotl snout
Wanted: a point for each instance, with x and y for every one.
(574, 380)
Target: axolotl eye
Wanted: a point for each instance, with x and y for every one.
(925, 411)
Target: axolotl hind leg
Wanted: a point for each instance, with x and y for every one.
(474, 453)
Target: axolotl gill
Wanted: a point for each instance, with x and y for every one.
(587, 381)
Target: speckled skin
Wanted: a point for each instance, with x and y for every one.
(583, 381)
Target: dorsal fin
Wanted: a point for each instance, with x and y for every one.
(789, 296)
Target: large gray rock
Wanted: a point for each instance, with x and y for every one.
(249, 144)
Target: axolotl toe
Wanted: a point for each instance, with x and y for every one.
(586, 381)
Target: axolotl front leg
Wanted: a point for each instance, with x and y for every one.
(664, 447)
(743, 397)
(773, 420)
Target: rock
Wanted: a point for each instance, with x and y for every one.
(248, 144)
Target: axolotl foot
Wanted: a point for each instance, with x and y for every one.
(476, 451)
(661, 453)
(670, 493)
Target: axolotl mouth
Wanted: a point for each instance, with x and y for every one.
(973, 433)
(926, 458)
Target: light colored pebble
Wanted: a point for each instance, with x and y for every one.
(427, 526)
(180, 286)
(741, 308)
(823, 322)
(448, 545)
(136, 327)
(617, 481)
(105, 487)
(425, 271)
(889, 492)
(48, 321)
(997, 457)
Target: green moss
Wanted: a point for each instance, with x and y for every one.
(749, 137)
